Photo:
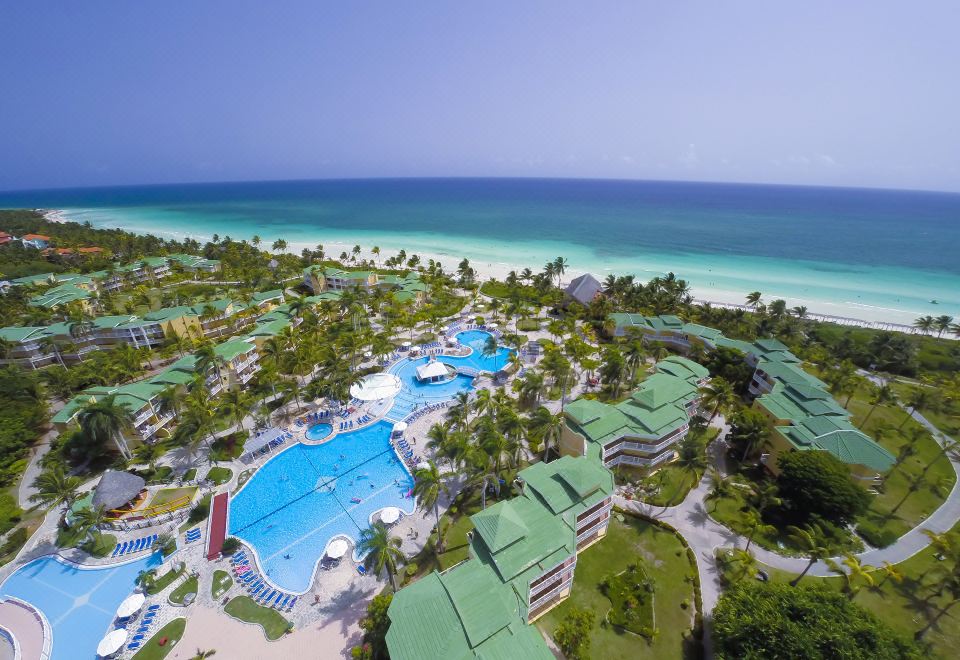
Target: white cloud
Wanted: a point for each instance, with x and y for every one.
(689, 158)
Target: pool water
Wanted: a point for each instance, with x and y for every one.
(80, 603)
(318, 431)
(308, 494)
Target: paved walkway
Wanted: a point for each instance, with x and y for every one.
(705, 535)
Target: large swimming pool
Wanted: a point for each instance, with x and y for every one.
(79, 603)
(306, 495)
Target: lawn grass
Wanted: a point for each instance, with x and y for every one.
(202, 509)
(666, 562)
(228, 447)
(189, 586)
(928, 463)
(219, 475)
(167, 495)
(244, 608)
(190, 474)
(172, 632)
(907, 606)
(164, 581)
(221, 584)
(101, 545)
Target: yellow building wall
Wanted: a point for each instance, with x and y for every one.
(571, 443)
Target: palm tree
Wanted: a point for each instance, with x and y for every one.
(942, 324)
(203, 655)
(753, 299)
(753, 521)
(236, 403)
(925, 324)
(279, 245)
(55, 486)
(559, 268)
(719, 395)
(743, 563)
(812, 542)
(852, 571)
(881, 395)
(381, 551)
(547, 427)
(890, 572)
(491, 347)
(720, 486)
(105, 420)
(87, 520)
(428, 487)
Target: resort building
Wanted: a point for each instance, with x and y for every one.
(523, 555)
(584, 290)
(405, 288)
(241, 362)
(149, 418)
(803, 415)
(37, 241)
(26, 346)
(644, 429)
(5, 238)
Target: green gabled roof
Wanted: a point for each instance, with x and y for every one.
(624, 320)
(853, 447)
(21, 334)
(404, 296)
(39, 278)
(482, 603)
(544, 535)
(584, 411)
(661, 389)
(736, 344)
(172, 377)
(270, 328)
(787, 372)
(681, 367)
(231, 349)
(770, 344)
(424, 623)
(325, 295)
(220, 304)
(516, 641)
(61, 295)
(169, 313)
(107, 322)
(568, 482)
(701, 331)
(263, 296)
(500, 525)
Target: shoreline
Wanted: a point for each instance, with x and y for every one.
(495, 262)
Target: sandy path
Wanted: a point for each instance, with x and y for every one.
(212, 629)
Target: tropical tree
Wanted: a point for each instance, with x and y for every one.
(428, 487)
(880, 396)
(104, 420)
(853, 572)
(718, 395)
(754, 298)
(546, 427)
(720, 486)
(755, 524)
(812, 542)
(382, 551)
(55, 486)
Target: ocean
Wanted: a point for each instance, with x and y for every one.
(867, 254)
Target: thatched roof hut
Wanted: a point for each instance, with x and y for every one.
(116, 489)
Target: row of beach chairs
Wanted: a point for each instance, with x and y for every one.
(420, 412)
(257, 588)
(193, 535)
(138, 545)
(144, 628)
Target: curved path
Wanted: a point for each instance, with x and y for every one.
(705, 535)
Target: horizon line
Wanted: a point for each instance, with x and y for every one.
(21, 191)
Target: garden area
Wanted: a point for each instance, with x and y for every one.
(219, 475)
(155, 584)
(672, 573)
(669, 485)
(163, 641)
(631, 600)
(246, 609)
(189, 586)
(914, 596)
(221, 584)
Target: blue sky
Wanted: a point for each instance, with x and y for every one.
(860, 93)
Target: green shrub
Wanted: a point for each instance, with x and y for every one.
(199, 512)
(230, 545)
(878, 538)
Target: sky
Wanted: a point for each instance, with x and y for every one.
(851, 93)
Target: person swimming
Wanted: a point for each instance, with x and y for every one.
(286, 556)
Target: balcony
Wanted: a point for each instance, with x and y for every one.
(544, 602)
(591, 528)
(142, 417)
(586, 522)
(246, 363)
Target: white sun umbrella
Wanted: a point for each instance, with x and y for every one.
(130, 606)
(112, 643)
(493, 325)
(390, 515)
(337, 549)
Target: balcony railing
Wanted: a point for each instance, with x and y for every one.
(586, 522)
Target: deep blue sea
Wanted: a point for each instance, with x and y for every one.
(881, 254)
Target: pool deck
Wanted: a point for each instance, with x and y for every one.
(27, 627)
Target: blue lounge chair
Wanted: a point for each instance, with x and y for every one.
(137, 638)
(266, 599)
(133, 646)
(116, 549)
(277, 601)
(143, 629)
(254, 592)
(361, 570)
(292, 603)
(248, 579)
(154, 607)
(284, 603)
(123, 548)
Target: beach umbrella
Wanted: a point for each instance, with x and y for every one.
(112, 643)
(390, 515)
(337, 549)
(130, 606)
(493, 325)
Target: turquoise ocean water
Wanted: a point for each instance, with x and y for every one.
(870, 254)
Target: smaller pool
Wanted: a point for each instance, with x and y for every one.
(319, 431)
